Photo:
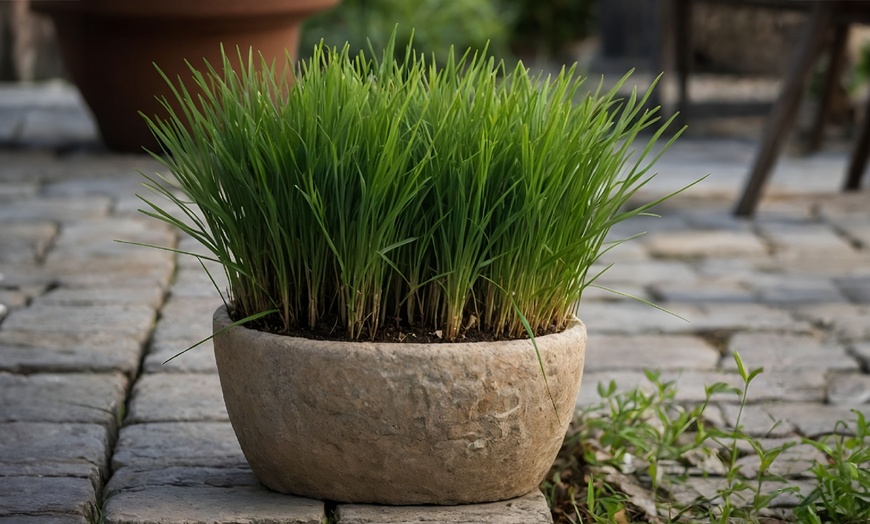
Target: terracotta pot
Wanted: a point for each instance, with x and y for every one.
(110, 48)
(394, 423)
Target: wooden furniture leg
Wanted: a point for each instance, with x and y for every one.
(836, 62)
(858, 163)
(784, 111)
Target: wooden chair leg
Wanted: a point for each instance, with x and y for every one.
(782, 116)
(683, 53)
(858, 162)
(837, 61)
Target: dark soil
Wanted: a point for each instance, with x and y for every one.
(395, 331)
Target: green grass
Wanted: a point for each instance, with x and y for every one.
(624, 459)
(452, 198)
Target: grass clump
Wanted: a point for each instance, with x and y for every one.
(453, 198)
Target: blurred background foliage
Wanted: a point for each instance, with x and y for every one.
(539, 28)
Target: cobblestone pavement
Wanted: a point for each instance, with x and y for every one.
(94, 426)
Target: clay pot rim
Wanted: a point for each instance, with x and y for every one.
(576, 330)
(194, 9)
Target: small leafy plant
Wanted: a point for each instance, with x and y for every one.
(460, 200)
(626, 457)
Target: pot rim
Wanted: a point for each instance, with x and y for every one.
(575, 329)
(211, 9)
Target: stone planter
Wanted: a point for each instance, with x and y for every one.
(110, 48)
(395, 423)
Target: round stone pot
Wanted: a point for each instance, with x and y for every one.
(110, 48)
(394, 423)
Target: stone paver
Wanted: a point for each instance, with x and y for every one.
(49, 449)
(173, 397)
(74, 397)
(621, 352)
(210, 505)
(530, 509)
(781, 351)
(81, 315)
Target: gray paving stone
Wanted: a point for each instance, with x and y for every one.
(806, 386)
(529, 509)
(793, 289)
(630, 318)
(210, 505)
(47, 496)
(686, 493)
(138, 478)
(846, 321)
(802, 237)
(753, 317)
(12, 298)
(25, 166)
(36, 351)
(45, 519)
(29, 280)
(12, 191)
(25, 242)
(810, 419)
(757, 421)
(147, 296)
(55, 209)
(645, 273)
(88, 398)
(198, 360)
(849, 389)
(193, 282)
(862, 353)
(620, 352)
(3, 311)
(59, 126)
(820, 264)
(624, 292)
(121, 271)
(703, 291)
(186, 318)
(856, 289)
(857, 229)
(123, 320)
(782, 351)
(177, 444)
(42, 449)
(793, 462)
(703, 244)
(176, 397)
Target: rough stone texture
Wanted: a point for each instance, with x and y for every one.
(849, 389)
(805, 386)
(47, 496)
(113, 296)
(170, 444)
(12, 298)
(168, 397)
(801, 237)
(645, 273)
(55, 209)
(209, 505)
(606, 352)
(92, 398)
(54, 450)
(697, 244)
(685, 493)
(793, 462)
(198, 360)
(528, 509)
(37, 351)
(26, 242)
(856, 289)
(45, 519)
(862, 352)
(137, 478)
(795, 289)
(757, 421)
(810, 419)
(703, 291)
(473, 422)
(846, 321)
(781, 351)
(130, 320)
